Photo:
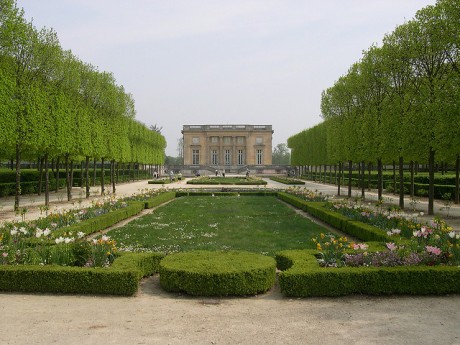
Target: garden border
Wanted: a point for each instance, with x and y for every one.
(302, 276)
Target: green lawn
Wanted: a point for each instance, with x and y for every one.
(253, 223)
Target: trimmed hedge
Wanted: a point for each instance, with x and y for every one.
(216, 193)
(226, 181)
(286, 180)
(159, 181)
(360, 230)
(205, 273)
(160, 199)
(303, 277)
(421, 189)
(103, 221)
(122, 278)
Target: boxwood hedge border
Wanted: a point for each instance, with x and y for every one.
(218, 273)
(303, 277)
(122, 278)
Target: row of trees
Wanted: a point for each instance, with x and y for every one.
(54, 106)
(400, 102)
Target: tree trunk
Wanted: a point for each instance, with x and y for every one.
(401, 182)
(335, 173)
(71, 173)
(339, 178)
(40, 176)
(81, 175)
(369, 172)
(112, 173)
(102, 177)
(47, 181)
(412, 179)
(457, 183)
(394, 177)
(57, 174)
(350, 171)
(87, 189)
(67, 178)
(330, 174)
(363, 183)
(379, 179)
(431, 182)
(118, 172)
(18, 177)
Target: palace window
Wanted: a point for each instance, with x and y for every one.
(259, 156)
(259, 141)
(240, 157)
(195, 157)
(214, 140)
(228, 157)
(240, 140)
(195, 140)
(214, 157)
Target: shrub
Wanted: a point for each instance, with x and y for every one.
(205, 273)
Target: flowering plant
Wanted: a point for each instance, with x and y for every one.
(307, 194)
(66, 251)
(332, 249)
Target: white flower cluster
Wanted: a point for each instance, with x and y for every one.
(64, 240)
(39, 232)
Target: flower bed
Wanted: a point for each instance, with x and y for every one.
(302, 276)
(26, 243)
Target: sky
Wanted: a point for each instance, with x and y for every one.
(205, 62)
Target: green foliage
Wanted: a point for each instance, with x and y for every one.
(398, 101)
(303, 277)
(205, 273)
(281, 154)
(122, 278)
(53, 104)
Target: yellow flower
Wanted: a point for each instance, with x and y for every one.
(318, 246)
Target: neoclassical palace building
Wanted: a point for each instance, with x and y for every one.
(227, 146)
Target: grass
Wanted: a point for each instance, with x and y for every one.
(252, 223)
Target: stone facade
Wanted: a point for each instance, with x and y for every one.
(227, 146)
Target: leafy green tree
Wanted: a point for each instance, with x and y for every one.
(281, 154)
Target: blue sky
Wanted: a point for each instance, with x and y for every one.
(223, 62)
